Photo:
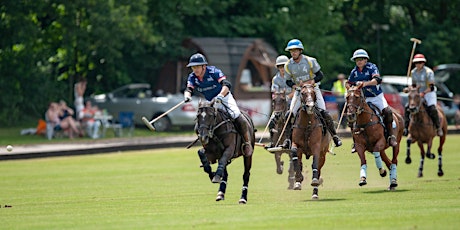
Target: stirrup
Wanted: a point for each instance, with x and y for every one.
(337, 141)
(286, 143)
(353, 148)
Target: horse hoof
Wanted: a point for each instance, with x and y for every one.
(420, 175)
(440, 173)
(314, 197)
(383, 172)
(315, 182)
(363, 181)
(430, 155)
(290, 187)
(394, 183)
(216, 179)
(220, 196)
(242, 201)
(297, 186)
(391, 188)
(408, 160)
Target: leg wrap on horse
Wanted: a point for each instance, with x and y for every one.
(244, 129)
(388, 120)
(433, 112)
(330, 127)
(406, 120)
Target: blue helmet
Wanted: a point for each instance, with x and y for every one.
(197, 59)
(294, 44)
(359, 53)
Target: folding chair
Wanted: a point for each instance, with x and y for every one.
(126, 120)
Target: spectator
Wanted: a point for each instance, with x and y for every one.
(338, 88)
(52, 115)
(79, 91)
(89, 122)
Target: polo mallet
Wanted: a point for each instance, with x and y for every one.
(265, 131)
(331, 149)
(415, 42)
(277, 148)
(150, 123)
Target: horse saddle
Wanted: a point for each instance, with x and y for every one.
(379, 114)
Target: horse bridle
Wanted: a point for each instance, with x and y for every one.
(211, 127)
(309, 100)
(420, 103)
(359, 108)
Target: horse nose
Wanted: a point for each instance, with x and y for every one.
(204, 139)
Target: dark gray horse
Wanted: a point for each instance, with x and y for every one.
(221, 144)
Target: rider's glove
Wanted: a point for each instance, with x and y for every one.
(187, 99)
(219, 98)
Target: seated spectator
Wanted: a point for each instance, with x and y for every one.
(92, 125)
(66, 111)
(53, 115)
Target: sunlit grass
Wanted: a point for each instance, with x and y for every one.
(166, 189)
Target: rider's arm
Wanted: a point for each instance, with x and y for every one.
(226, 86)
(318, 76)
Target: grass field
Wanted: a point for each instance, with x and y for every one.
(166, 189)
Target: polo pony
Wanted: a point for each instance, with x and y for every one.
(221, 144)
(369, 134)
(309, 138)
(422, 130)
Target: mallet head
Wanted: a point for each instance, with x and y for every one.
(148, 124)
(418, 41)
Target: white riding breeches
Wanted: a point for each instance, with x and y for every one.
(229, 105)
(378, 101)
(431, 98)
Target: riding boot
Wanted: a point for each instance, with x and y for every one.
(406, 120)
(242, 126)
(388, 120)
(288, 131)
(433, 112)
(330, 127)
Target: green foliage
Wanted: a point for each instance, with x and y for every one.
(50, 44)
(166, 189)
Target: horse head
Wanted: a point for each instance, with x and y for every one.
(308, 97)
(355, 103)
(279, 101)
(205, 121)
(414, 98)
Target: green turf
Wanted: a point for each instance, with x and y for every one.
(165, 189)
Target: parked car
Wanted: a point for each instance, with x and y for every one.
(138, 98)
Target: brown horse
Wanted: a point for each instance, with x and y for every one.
(221, 143)
(422, 130)
(277, 122)
(369, 135)
(309, 137)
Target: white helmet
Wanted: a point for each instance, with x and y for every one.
(359, 53)
(281, 60)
